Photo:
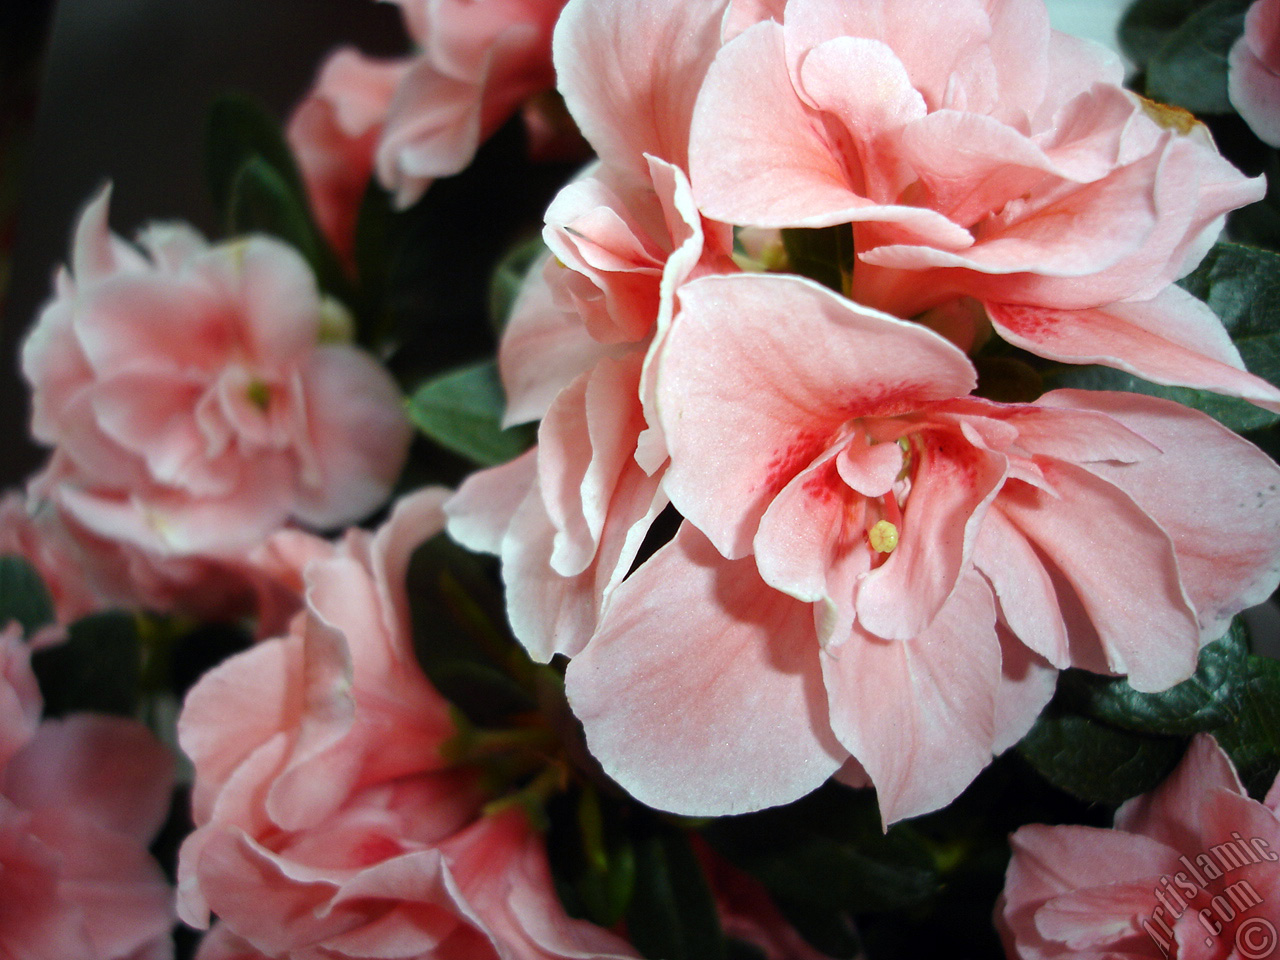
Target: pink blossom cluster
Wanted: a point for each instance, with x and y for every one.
(332, 820)
(414, 119)
(329, 823)
(1191, 869)
(197, 398)
(873, 570)
(878, 572)
(80, 799)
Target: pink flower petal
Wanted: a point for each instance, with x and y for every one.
(543, 349)
(1223, 514)
(758, 156)
(1172, 339)
(358, 431)
(924, 744)
(1171, 813)
(585, 443)
(482, 510)
(1126, 584)
(1028, 601)
(551, 613)
(953, 484)
(747, 404)
(617, 60)
(1027, 685)
(107, 768)
(719, 712)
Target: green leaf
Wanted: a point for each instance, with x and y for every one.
(592, 858)
(462, 410)
(824, 255)
(1252, 736)
(460, 636)
(376, 234)
(1233, 695)
(1203, 702)
(508, 278)
(1148, 24)
(1095, 761)
(672, 915)
(1231, 412)
(829, 851)
(1190, 68)
(262, 201)
(1242, 286)
(98, 668)
(23, 596)
(240, 129)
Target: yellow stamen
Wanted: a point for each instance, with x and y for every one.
(883, 537)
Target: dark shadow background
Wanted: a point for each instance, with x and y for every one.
(96, 90)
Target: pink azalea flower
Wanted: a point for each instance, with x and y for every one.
(1253, 80)
(820, 564)
(477, 62)
(1190, 870)
(414, 119)
(334, 132)
(569, 519)
(80, 799)
(875, 564)
(200, 397)
(328, 822)
(978, 154)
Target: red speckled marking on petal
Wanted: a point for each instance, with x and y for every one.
(790, 460)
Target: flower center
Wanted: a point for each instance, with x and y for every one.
(259, 394)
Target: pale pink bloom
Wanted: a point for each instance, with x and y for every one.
(875, 564)
(334, 132)
(1253, 80)
(197, 396)
(477, 61)
(978, 154)
(417, 118)
(328, 822)
(1189, 871)
(569, 519)
(80, 799)
(630, 74)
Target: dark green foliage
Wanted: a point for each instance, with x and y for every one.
(462, 411)
(23, 596)
(98, 668)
